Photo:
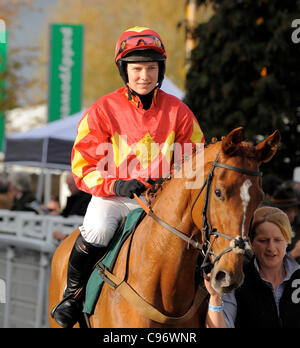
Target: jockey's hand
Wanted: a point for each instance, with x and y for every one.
(128, 188)
(155, 184)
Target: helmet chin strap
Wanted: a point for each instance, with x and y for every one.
(158, 85)
(145, 99)
(129, 92)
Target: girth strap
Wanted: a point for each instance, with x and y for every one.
(144, 307)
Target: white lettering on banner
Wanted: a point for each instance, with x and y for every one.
(65, 71)
(2, 291)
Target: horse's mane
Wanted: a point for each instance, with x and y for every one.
(243, 149)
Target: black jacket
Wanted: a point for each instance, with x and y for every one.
(256, 307)
(23, 203)
(77, 204)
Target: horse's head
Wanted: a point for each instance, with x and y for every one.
(224, 208)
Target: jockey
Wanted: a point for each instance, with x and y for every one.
(124, 138)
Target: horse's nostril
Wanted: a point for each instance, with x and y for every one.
(221, 277)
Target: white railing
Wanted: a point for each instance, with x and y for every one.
(26, 248)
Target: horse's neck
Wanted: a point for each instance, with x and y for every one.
(165, 259)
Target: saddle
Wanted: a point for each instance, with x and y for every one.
(95, 283)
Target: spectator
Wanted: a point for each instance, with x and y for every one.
(268, 297)
(76, 204)
(78, 201)
(6, 197)
(20, 188)
(285, 198)
(270, 182)
(53, 206)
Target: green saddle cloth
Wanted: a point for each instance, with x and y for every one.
(95, 282)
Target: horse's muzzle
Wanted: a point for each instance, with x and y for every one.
(224, 282)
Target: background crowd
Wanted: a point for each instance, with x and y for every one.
(16, 194)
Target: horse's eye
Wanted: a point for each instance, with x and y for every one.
(218, 193)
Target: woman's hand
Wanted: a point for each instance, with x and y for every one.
(214, 319)
(213, 293)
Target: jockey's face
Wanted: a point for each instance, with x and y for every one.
(142, 77)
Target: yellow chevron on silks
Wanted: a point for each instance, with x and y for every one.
(146, 150)
(83, 129)
(121, 148)
(137, 29)
(197, 134)
(167, 149)
(78, 163)
(93, 179)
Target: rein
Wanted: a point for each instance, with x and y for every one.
(172, 229)
(238, 244)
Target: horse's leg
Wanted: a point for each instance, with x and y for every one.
(58, 277)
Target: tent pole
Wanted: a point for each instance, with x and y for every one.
(39, 192)
(47, 195)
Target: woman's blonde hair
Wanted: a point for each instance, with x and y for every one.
(274, 215)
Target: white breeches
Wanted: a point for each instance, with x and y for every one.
(103, 216)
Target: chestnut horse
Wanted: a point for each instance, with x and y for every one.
(212, 219)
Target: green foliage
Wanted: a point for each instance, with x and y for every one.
(13, 85)
(8, 85)
(245, 71)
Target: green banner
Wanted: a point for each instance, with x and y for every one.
(3, 54)
(65, 71)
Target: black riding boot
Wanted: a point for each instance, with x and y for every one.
(82, 259)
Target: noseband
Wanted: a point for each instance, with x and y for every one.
(237, 245)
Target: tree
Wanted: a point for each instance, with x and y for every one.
(12, 84)
(245, 72)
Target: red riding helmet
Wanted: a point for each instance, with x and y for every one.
(140, 44)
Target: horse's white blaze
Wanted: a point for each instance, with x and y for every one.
(244, 194)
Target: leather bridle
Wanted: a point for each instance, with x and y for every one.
(238, 244)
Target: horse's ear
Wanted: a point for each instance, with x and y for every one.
(268, 147)
(230, 142)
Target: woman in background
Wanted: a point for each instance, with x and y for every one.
(270, 294)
